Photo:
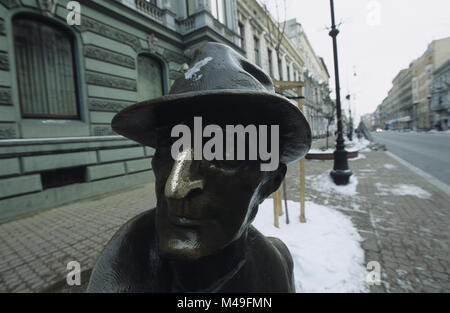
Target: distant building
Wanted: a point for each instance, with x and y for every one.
(368, 120)
(315, 75)
(408, 104)
(400, 98)
(437, 53)
(440, 95)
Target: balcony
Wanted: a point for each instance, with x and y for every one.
(205, 19)
(149, 9)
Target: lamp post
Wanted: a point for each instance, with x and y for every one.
(340, 173)
(350, 120)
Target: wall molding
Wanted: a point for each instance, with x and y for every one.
(105, 80)
(10, 3)
(108, 105)
(4, 61)
(7, 132)
(108, 56)
(5, 96)
(110, 32)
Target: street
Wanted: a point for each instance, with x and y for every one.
(427, 151)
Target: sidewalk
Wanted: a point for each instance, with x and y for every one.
(402, 218)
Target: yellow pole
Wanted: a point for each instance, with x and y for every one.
(276, 207)
(302, 166)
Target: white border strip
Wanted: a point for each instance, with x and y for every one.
(432, 180)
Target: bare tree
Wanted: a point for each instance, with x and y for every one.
(329, 114)
(276, 29)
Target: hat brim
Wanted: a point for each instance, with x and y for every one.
(141, 121)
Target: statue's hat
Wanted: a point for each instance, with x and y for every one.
(220, 85)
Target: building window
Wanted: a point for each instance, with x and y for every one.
(218, 10)
(45, 70)
(280, 70)
(256, 51)
(269, 54)
(190, 7)
(150, 78)
(288, 72)
(241, 36)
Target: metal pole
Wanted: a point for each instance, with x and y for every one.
(285, 201)
(302, 166)
(340, 173)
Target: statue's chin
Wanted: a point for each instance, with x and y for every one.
(181, 250)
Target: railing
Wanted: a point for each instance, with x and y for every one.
(149, 9)
(187, 24)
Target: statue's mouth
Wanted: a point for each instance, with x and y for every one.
(180, 214)
(188, 222)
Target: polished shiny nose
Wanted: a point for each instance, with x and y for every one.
(179, 183)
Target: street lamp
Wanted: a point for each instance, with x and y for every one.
(340, 173)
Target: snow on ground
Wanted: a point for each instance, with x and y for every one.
(402, 190)
(324, 183)
(326, 249)
(359, 157)
(319, 151)
(355, 145)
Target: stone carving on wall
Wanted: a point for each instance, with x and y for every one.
(4, 62)
(5, 96)
(152, 40)
(103, 131)
(109, 56)
(108, 105)
(48, 7)
(9, 3)
(94, 26)
(2, 27)
(7, 132)
(106, 80)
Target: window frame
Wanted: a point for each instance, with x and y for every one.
(162, 65)
(72, 39)
(187, 9)
(257, 50)
(216, 13)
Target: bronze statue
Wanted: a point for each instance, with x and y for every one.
(199, 237)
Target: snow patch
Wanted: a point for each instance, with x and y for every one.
(192, 72)
(359, 157)
(389, 166)
(402, 190)
(324, 183)
(326, 249)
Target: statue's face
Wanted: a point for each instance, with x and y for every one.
(202, 205)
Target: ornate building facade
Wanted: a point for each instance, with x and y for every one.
(63, 80)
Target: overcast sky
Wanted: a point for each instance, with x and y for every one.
(374, 46)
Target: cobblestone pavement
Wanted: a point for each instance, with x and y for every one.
(407, 235)
(35, 250)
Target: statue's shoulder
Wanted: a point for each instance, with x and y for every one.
(129, 261)
(278, 260)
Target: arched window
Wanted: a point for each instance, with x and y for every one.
(45, 70)
(150, 78)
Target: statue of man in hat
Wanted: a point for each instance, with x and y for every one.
(199, 238)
